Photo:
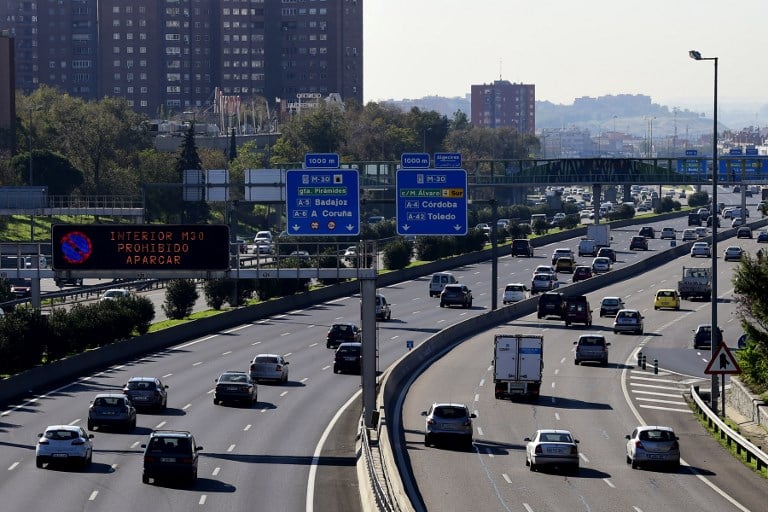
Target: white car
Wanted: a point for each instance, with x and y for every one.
(115, 293)
(700, 249)
(351, 253)
(668, 233)
(262, 243)
(628, 320)
(690, 235)
(550, 447)
(601, 264)
(653, 445)
(544, 283)
(738, 221)
(269, 367)
(701, 232)
(545, 269)
(383, 310)
(514, 292)
(64, 443)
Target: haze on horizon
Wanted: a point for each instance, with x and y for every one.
(568, 49)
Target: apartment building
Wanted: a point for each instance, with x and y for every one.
(171, 55)
(504, 104)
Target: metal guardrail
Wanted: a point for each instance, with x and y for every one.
(726, 433)
(380, 492)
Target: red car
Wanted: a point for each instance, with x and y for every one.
(581, 273)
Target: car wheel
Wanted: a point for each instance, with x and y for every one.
(165, 404)
(335, 370)
(677, 308)
(38, 462)
(567, 324)
(633, 463)
(575, 469)
(615, 331)
(576, 361)
(144, 479)
(132, 425)
(470, 305)
(604, 362)
(427, 440)
(442, 304)
(629, 459)
(640, 332)
(90, 425)
(215, 401)
(532, 466)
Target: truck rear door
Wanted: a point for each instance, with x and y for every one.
(530, 357)
(506, 358)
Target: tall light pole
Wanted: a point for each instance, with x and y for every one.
(31, 109)
(695, 55)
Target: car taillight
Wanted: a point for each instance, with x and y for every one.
(186, 460)
(148, 458)
(574, 450)
(43, 441)
(639, 445)
(467, 423)
(538, 449)
(279, 368)
(431, 421)
(77, 442)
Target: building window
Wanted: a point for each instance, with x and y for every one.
(116, 63)
(116, 90)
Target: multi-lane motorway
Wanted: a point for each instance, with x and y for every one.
(275, 455)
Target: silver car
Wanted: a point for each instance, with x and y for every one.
(653, 445)
(550, 447)
(269, 367)
(628, 320)
(64, 443)
(448, 420)
(147, 392)
(111, 410)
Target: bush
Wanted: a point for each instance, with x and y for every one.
(397, 254)
(667, 204)
(622, 212)
(569, 222)
(698, 199)
(216, 292)
(540, 226)
(180, 298)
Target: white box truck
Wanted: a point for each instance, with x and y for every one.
(600, 233)
(518, 361)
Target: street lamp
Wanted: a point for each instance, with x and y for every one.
(695, 55)
(31, 109)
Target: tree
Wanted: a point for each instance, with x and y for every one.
(49, 169)
(180, 298)
(192, 212)
(752, 306)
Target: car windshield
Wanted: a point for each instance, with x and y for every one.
(555, 437)
(656, 435)
(448, 412)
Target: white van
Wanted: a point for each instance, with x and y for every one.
(438, 282)
(587, 248)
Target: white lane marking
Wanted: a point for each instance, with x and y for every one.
(288, 354)
(506, 478)
(655, 393)
(637, 509)
(197, 363)
(235, 329)
(562, 360)
(553, 385)
(557, 416)
(660, 401)
(167, 375)
(93, 495)
(441, 321)
(195, 342)
(263, 410)
(313, 344)
(159, 425)
(215, 471)
(638, 385)
(557, 371)
(285, 334)
(527, 507)
(477, 397)
(654, 379)
(255, 343)
(610, 484)
(479, 431)
(75, 422)
(231, 447)
(13, 466)
(310, 326)
(659, 408)
(202, 500)
(283, 393)
(247, 428)
(226, 353)
(211, 391)
(482, 382)
(135, 444)
(416, 313)
(326, 367)
(395, 337)
(114, 466)
(339, 318)
(584, 457)
(305, 379)
(489, 452)
(186, 407)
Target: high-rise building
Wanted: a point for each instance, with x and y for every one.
(7, 95)
(504, 104)
(171, 55)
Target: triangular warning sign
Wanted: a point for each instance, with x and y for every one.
(722, 362)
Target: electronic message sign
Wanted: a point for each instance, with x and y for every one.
(140, 247)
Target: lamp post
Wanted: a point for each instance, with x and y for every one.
(695, 55)
(31, 109)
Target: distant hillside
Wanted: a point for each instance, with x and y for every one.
(627, 113)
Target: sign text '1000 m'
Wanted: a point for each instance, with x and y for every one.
(140, 247)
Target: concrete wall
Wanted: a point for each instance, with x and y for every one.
(749, 405)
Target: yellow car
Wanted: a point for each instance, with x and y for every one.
(565, 264)
(667, 299)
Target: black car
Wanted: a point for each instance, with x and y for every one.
(348, 358)
(694, 219)
(647, 232)
(551, 304)
(234, 386)
(702, 336)
(607, 252)
(340, 333)
(456, 295)
(170, 455)
(522, 247)
(638, 243)
(762, 236)
(709, 221)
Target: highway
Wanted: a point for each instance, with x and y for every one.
(599, 405)
(262, 456)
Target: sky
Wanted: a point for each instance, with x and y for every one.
(569, 49)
